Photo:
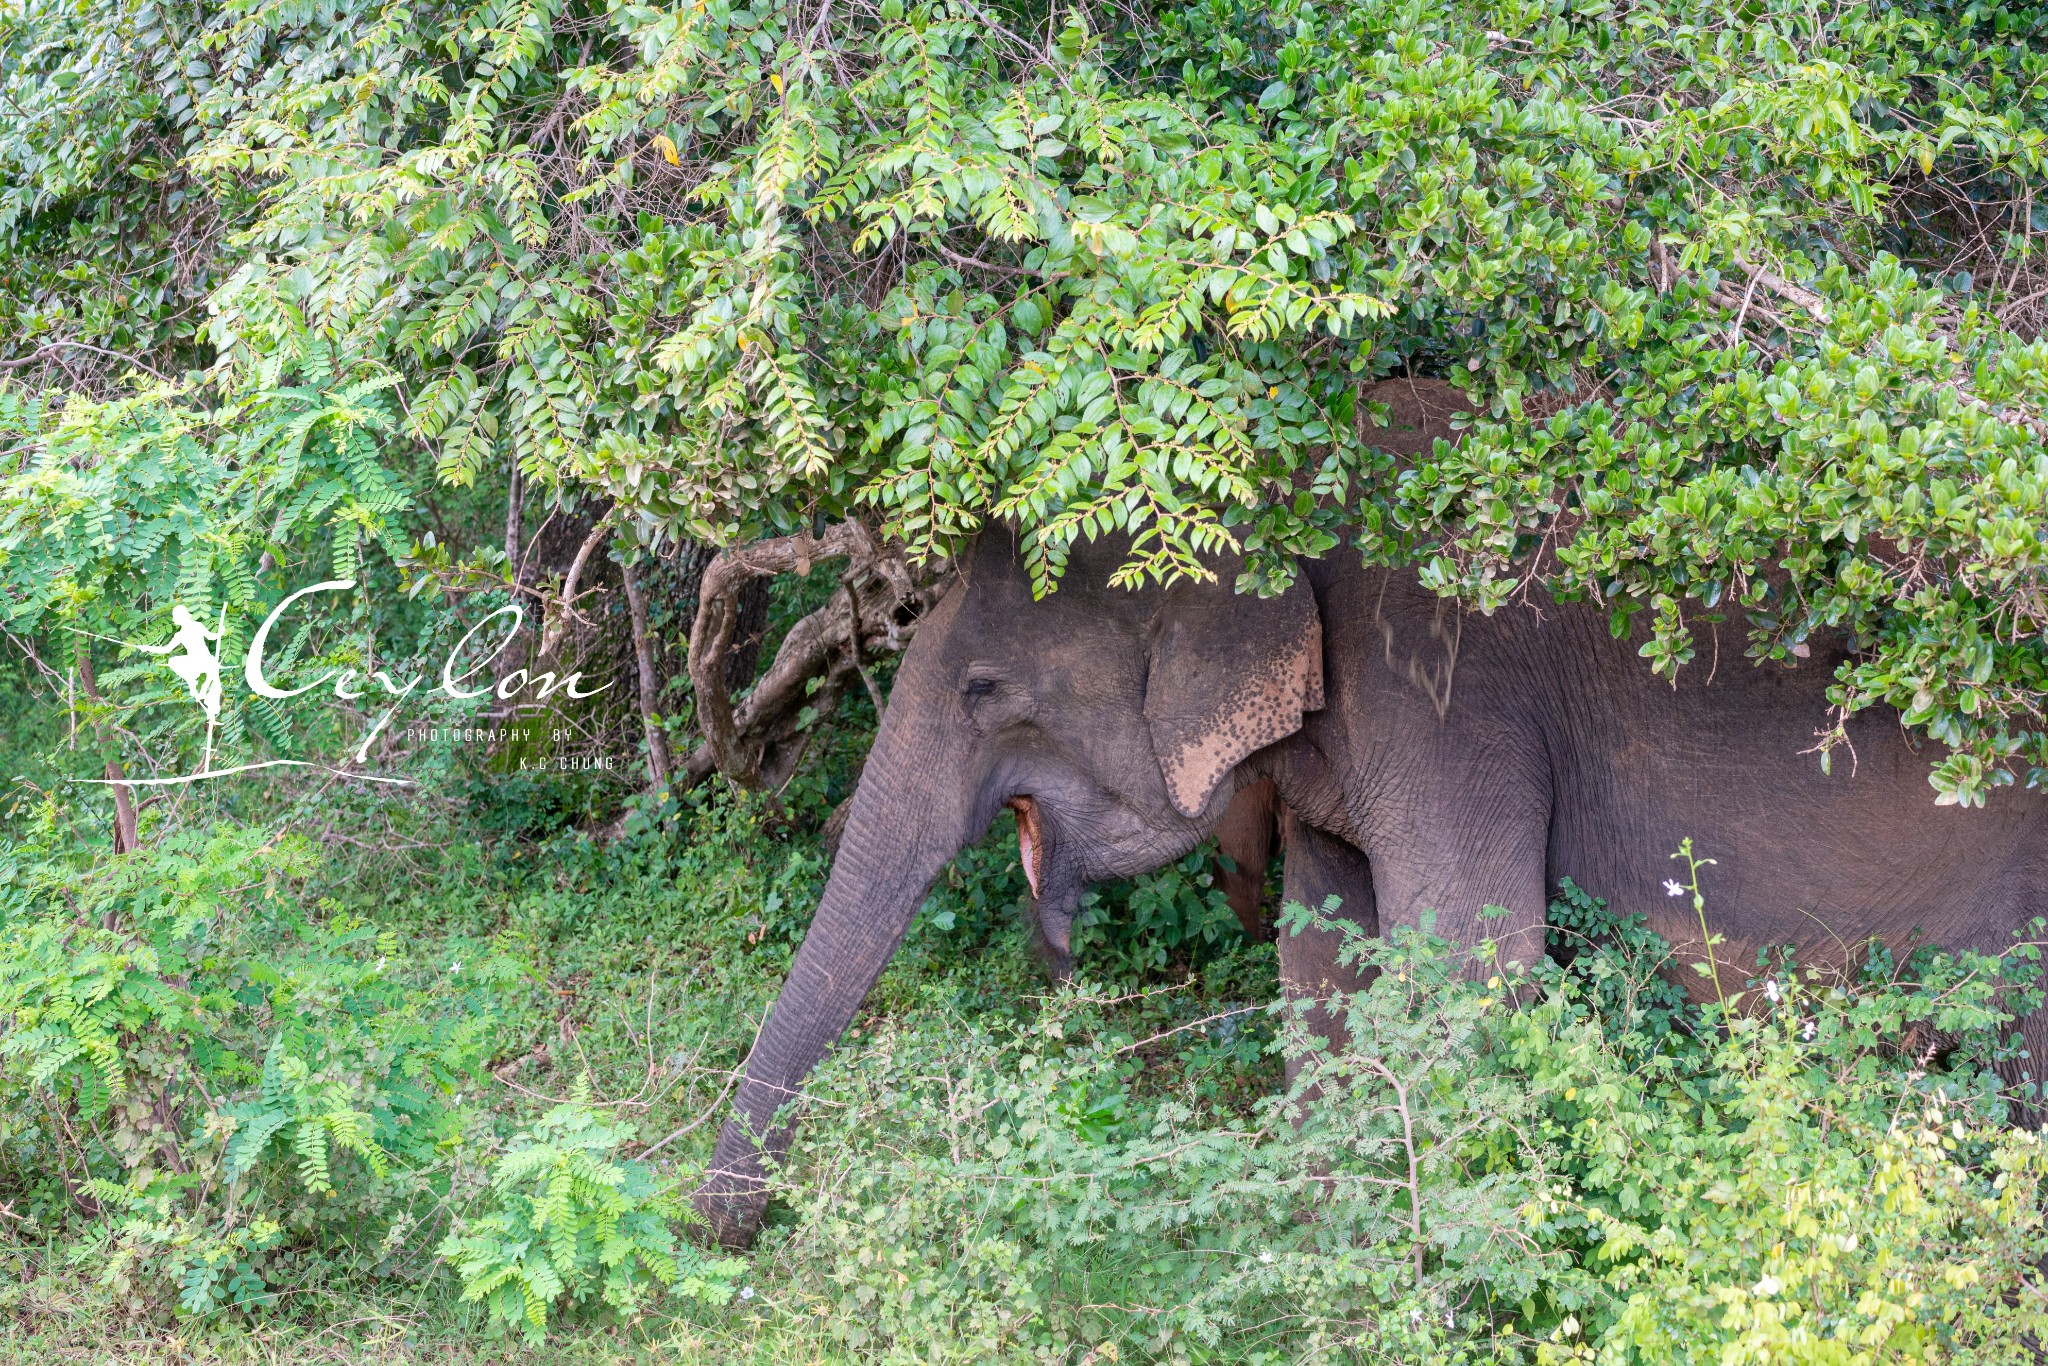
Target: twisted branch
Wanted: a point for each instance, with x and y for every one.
(876, 606)
(560, 614)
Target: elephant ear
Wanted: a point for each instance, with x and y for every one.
(1229, 674)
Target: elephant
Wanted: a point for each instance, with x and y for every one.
(1245, 837)
(1425, 759)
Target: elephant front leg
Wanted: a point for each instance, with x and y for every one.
(1320, 866)
(1245, 838)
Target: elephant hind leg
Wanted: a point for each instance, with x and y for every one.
(1320, 866)
(2027, 1077)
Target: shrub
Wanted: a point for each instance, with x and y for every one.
(250, 1088)
(982, 1188)
(220, 1091)
(1773, 1178)
(1126, 930)
(571, 1221)
(1609, 1172)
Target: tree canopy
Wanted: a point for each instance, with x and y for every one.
(1744, 300)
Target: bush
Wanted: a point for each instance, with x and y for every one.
(1607, 1173)
(224, 1094)
(1175, 914)
(253, 1090)
(570, 1221)
(1792, 1173)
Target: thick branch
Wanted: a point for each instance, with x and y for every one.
(828, 645)
(1786, 290)
(558, 619)
(718, 610)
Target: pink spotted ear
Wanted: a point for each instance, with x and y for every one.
(1230, 674)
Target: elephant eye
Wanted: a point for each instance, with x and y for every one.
(980, 687)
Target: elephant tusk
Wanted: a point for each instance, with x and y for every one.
(1030, 845)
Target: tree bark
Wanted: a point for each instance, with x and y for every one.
(750, 626)
(866, 610)
(126, 839)
(750, 630)
(650, 682)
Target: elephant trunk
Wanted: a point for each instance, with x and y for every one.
(897, 839)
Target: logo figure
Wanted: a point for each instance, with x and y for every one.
(198, 665)
(191, 657)
(192, 654)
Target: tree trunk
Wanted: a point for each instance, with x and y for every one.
(126, 839)
(650, 681)
(750, 630)
(876, 603)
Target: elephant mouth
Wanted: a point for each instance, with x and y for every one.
(1030, 838)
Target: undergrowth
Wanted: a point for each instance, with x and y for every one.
(265, 1097)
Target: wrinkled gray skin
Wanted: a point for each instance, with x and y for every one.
(1425, 759)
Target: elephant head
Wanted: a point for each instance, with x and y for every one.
(1113, 722)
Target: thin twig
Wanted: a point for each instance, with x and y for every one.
(1735, 328)
(1182, 1029)
(48, 350)
(732, 1079)
(1025, 272)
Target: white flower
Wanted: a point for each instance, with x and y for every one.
(455, 968)
(381, 962)
(1771, 988)
(1266, 1257)
(746, 1292)
(1673, 888)
(1809, 1030)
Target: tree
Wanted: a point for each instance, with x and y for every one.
(1744, 301)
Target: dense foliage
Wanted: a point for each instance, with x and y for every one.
(1588, 1177)
(1745, 305)
(233, 1108)
(1743, 299)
